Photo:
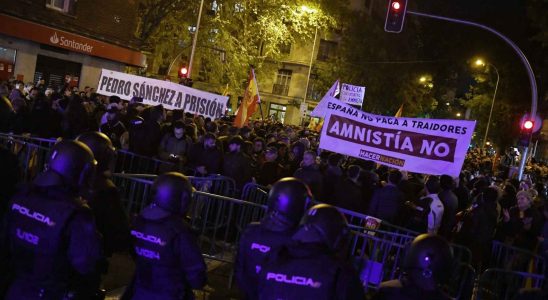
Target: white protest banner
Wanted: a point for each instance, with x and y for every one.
(429, 146)
(153, 91)
(320, 109)
(352, 94)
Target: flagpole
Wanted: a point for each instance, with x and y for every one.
(258, 95)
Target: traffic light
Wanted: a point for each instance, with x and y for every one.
(183, 72)
(395, 16)
(186, 81)
(526, 132)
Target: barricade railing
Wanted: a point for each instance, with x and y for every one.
(500, 284)
(377, 254)
(218, 219)
(32, 153)
(135, 189)
(461, 281)
(365, 221)
(129, 162)
(219, 223)
(255, 193)
(515, 259)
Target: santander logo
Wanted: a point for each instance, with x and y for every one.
(70, 43)
(54, 39)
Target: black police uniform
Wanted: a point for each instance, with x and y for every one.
(52, 241)
(287, 202)
(169, 262)
(256, 243)
(308, 271)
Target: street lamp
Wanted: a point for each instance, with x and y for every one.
(307, 9)
(480, 62)
(458, 115)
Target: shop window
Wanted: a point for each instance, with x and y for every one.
(276, 112)
(64, 6)
(7, 63)
(281, 87)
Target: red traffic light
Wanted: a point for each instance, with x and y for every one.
(528, 125)
(395, 16)
(183, 72)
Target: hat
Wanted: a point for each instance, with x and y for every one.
(236, 140)
(112, 108)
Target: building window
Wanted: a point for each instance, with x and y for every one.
(276, 112)
(281, 87)
(64, 6)
(313, 91)
(327, 50)
(285, 48)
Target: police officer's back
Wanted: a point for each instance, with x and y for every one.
(309, 268)
(427, 266)
(103, 196)
(287, 203)
(169, 262)
(104, 199)
(52, 236)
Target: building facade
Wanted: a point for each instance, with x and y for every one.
(282, 93)
(67, 41)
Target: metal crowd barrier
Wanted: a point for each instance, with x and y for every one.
(32, 153)
(377, 254)
(515, 259)
(135, 189)
(500, 284)
(255, 193)
(218, 219)
(129, 162)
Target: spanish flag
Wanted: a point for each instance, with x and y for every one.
(249, 102)
(399, 112)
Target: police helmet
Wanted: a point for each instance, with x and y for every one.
(288, 200)
(325, 224)
(101, 146)
(172, 191)
(73, 161)
(428, 261)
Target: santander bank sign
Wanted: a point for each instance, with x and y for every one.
(70, 43)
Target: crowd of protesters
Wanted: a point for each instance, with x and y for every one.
(483, 204)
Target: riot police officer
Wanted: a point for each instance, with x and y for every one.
(426, 267)
(169, 262)
(308, 268)
(103, 198)
(51, 233)
(287, 202)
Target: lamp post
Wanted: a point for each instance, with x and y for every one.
(304, 8)
(195, 39)
(480, 62)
